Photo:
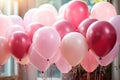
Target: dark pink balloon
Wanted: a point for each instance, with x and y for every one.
(106, 60)
(32, 28)
(19, 44)
(76, 12)
(63, 27)
(101, 37)
(84, 25)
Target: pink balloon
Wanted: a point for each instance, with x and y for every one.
(17, 20)
(63, 65)
(38, 61)
(44, 16)
(4, 51)
(5, 23)
(32, 28)
(28, 16)
(12, 29)
(90, 63)
(105, 13)
(46, 41)
(74, 48)
(115, 21)
(50, 8)
(106, 60)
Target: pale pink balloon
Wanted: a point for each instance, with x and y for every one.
(63, 65)
(44, 16)
(17, 20)
(4, 51)
(46, 41)
(28, 16)
(90, 63)
(61, 12)
(50, 7)
(38, 61)
(62, 9)
(110, 57)
(5, 23)
(103, 11)
(74, 48)
(12, 29)
(24, 61)
(115, 21)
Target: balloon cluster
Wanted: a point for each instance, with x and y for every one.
(66, 38)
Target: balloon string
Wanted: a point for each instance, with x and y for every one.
(43, 75)
(97, 74)
(88, 76)
(0, 70)
(51, 73)
(25, 70)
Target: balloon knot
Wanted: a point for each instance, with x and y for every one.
(42, 72)
(48, 60)
(100, 58)
(54, 64)
(20, 59)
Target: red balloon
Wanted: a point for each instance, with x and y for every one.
(32, 28)
(101, 37)
(76, 12)
(63, 27)
(19, 44)
(84, 26)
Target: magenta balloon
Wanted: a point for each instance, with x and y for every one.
(84, 25)
(105, 13)
(46, 41)
(17, 20)
(101, 37)
(28, 16)
(19, 44)
(115, 21)
(106, 60)
(38, 61)
(90, 63)
(63, 27)
(63, 65)
(32, 28)
(76, 12)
